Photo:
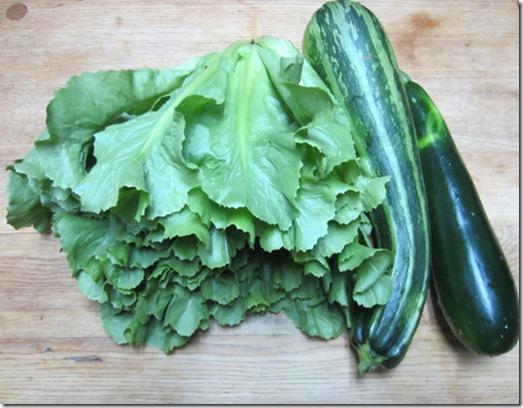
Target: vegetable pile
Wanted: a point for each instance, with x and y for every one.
(226, 187)
(251, 180)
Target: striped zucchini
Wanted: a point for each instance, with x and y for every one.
(474, 285)
(347, 46)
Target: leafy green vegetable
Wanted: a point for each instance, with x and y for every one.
(227, 187)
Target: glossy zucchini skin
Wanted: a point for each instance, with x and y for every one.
(346, 44)
(475, 288)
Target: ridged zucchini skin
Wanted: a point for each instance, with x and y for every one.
(347, 45)
(475, 288)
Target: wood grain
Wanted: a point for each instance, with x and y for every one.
(52, 346)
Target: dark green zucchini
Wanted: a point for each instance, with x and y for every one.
(474, 285)
(346, 44)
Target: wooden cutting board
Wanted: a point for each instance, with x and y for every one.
(52, 346)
